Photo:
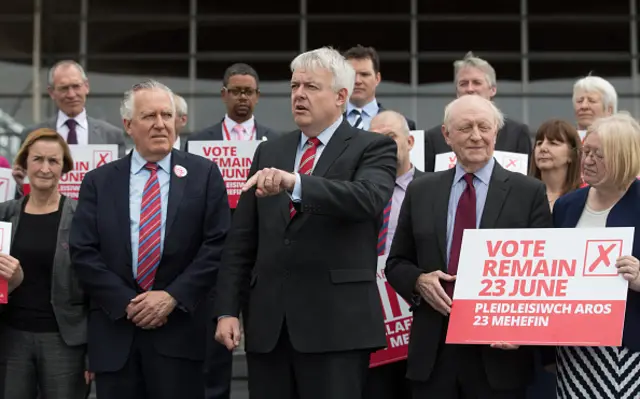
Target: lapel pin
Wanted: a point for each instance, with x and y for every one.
(180, 170)
(264, 138)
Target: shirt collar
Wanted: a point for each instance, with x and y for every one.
(324, 136)
(404, 179)
(137, 162)
(483, 174)
(247, 125)
(81, 119)
(370, 109)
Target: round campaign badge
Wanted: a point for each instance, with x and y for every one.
(180, 171)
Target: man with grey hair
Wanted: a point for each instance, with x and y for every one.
(593, 98)
(475, 76)
(68, 87)
(148, 256)
(182, 112)
(423, 263)
(304, 239)
(388, 381)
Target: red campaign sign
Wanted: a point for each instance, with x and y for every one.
(398, 319)
(540, 287)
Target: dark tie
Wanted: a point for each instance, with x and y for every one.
(149, 237)
(465, 219)
(358, 121)
(306, 164)
(382, 235)
(72, 137)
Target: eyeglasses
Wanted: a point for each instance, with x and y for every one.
(238, 91)
(590, 152)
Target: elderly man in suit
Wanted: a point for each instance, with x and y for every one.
(475, 76)
(240, 93)
(423, 262)
(68, 88)
(304, 242)
(363, 105)
(148, 256)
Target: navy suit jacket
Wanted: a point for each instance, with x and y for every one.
(215, 133)
(197, 221)
(626, 213)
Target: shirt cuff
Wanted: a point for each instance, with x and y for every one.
(296, 194)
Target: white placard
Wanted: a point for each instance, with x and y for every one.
(512, 161)
(417, 152)
(7, 185)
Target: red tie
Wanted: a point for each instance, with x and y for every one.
(150, 228)
(306, 164)
(382, 236)
(465, 219)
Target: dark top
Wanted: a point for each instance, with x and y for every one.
(34, 245)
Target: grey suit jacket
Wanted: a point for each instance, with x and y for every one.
(100, 132)
(68, 298)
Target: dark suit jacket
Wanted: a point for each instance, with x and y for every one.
(100, 132)
(215, 133)
(70, 305)
(419, 246)
(196, 226)
(513, 137)
(626, 213)
(317, 270)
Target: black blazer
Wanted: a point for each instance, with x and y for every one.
(513, 137)
(196, 225)
(215, 133)
(420, 245)
(626, 213)
(317, 270)
(68, 299)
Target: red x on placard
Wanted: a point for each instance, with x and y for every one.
(600, 256)
(512, 162)
(603, 257)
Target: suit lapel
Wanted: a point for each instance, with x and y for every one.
(497, 193)
(176, 189)
(216, 132)
(289, 146)
(260, 131)
(121, 200)
(440, 207)
(338, 143)
(63, 236)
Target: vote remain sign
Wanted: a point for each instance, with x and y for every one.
(512, 161)
(397, 320)
(540, 287)
(85, 159)
(234, 160)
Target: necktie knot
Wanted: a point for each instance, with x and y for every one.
(71, 123)
(468, 177)
(314, 142)
(151, 166)
(238, 129)
(356, 112)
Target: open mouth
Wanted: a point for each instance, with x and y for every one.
(301, 108)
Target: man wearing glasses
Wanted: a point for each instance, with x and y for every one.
(240, 94)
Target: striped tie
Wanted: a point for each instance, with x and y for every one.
(382, 236)
(358, 121)
(306, 165)
(150, 228)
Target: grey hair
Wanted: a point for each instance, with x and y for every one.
(596, 84)
(182, 109)
(393, 115)
(344, 76)
(126, 107)
(471, 61)
(58, 64)
(497, 114)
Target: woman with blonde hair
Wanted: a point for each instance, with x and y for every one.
(43, 327)
(610, 160)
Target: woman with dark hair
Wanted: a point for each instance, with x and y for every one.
(555, 159)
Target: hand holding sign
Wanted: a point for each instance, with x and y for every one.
(270, 181)
(10, 270)
(430, 289)
(629, 268)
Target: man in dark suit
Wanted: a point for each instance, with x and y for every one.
(149, 255)
(240, 93)
(68, 88)
(388, 381)
(304, 240)
(422, 264)
(363, 106)
(476, 76)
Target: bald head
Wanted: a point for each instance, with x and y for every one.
(470, 128)
(394, 125)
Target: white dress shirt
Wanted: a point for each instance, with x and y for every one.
(82, 127)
